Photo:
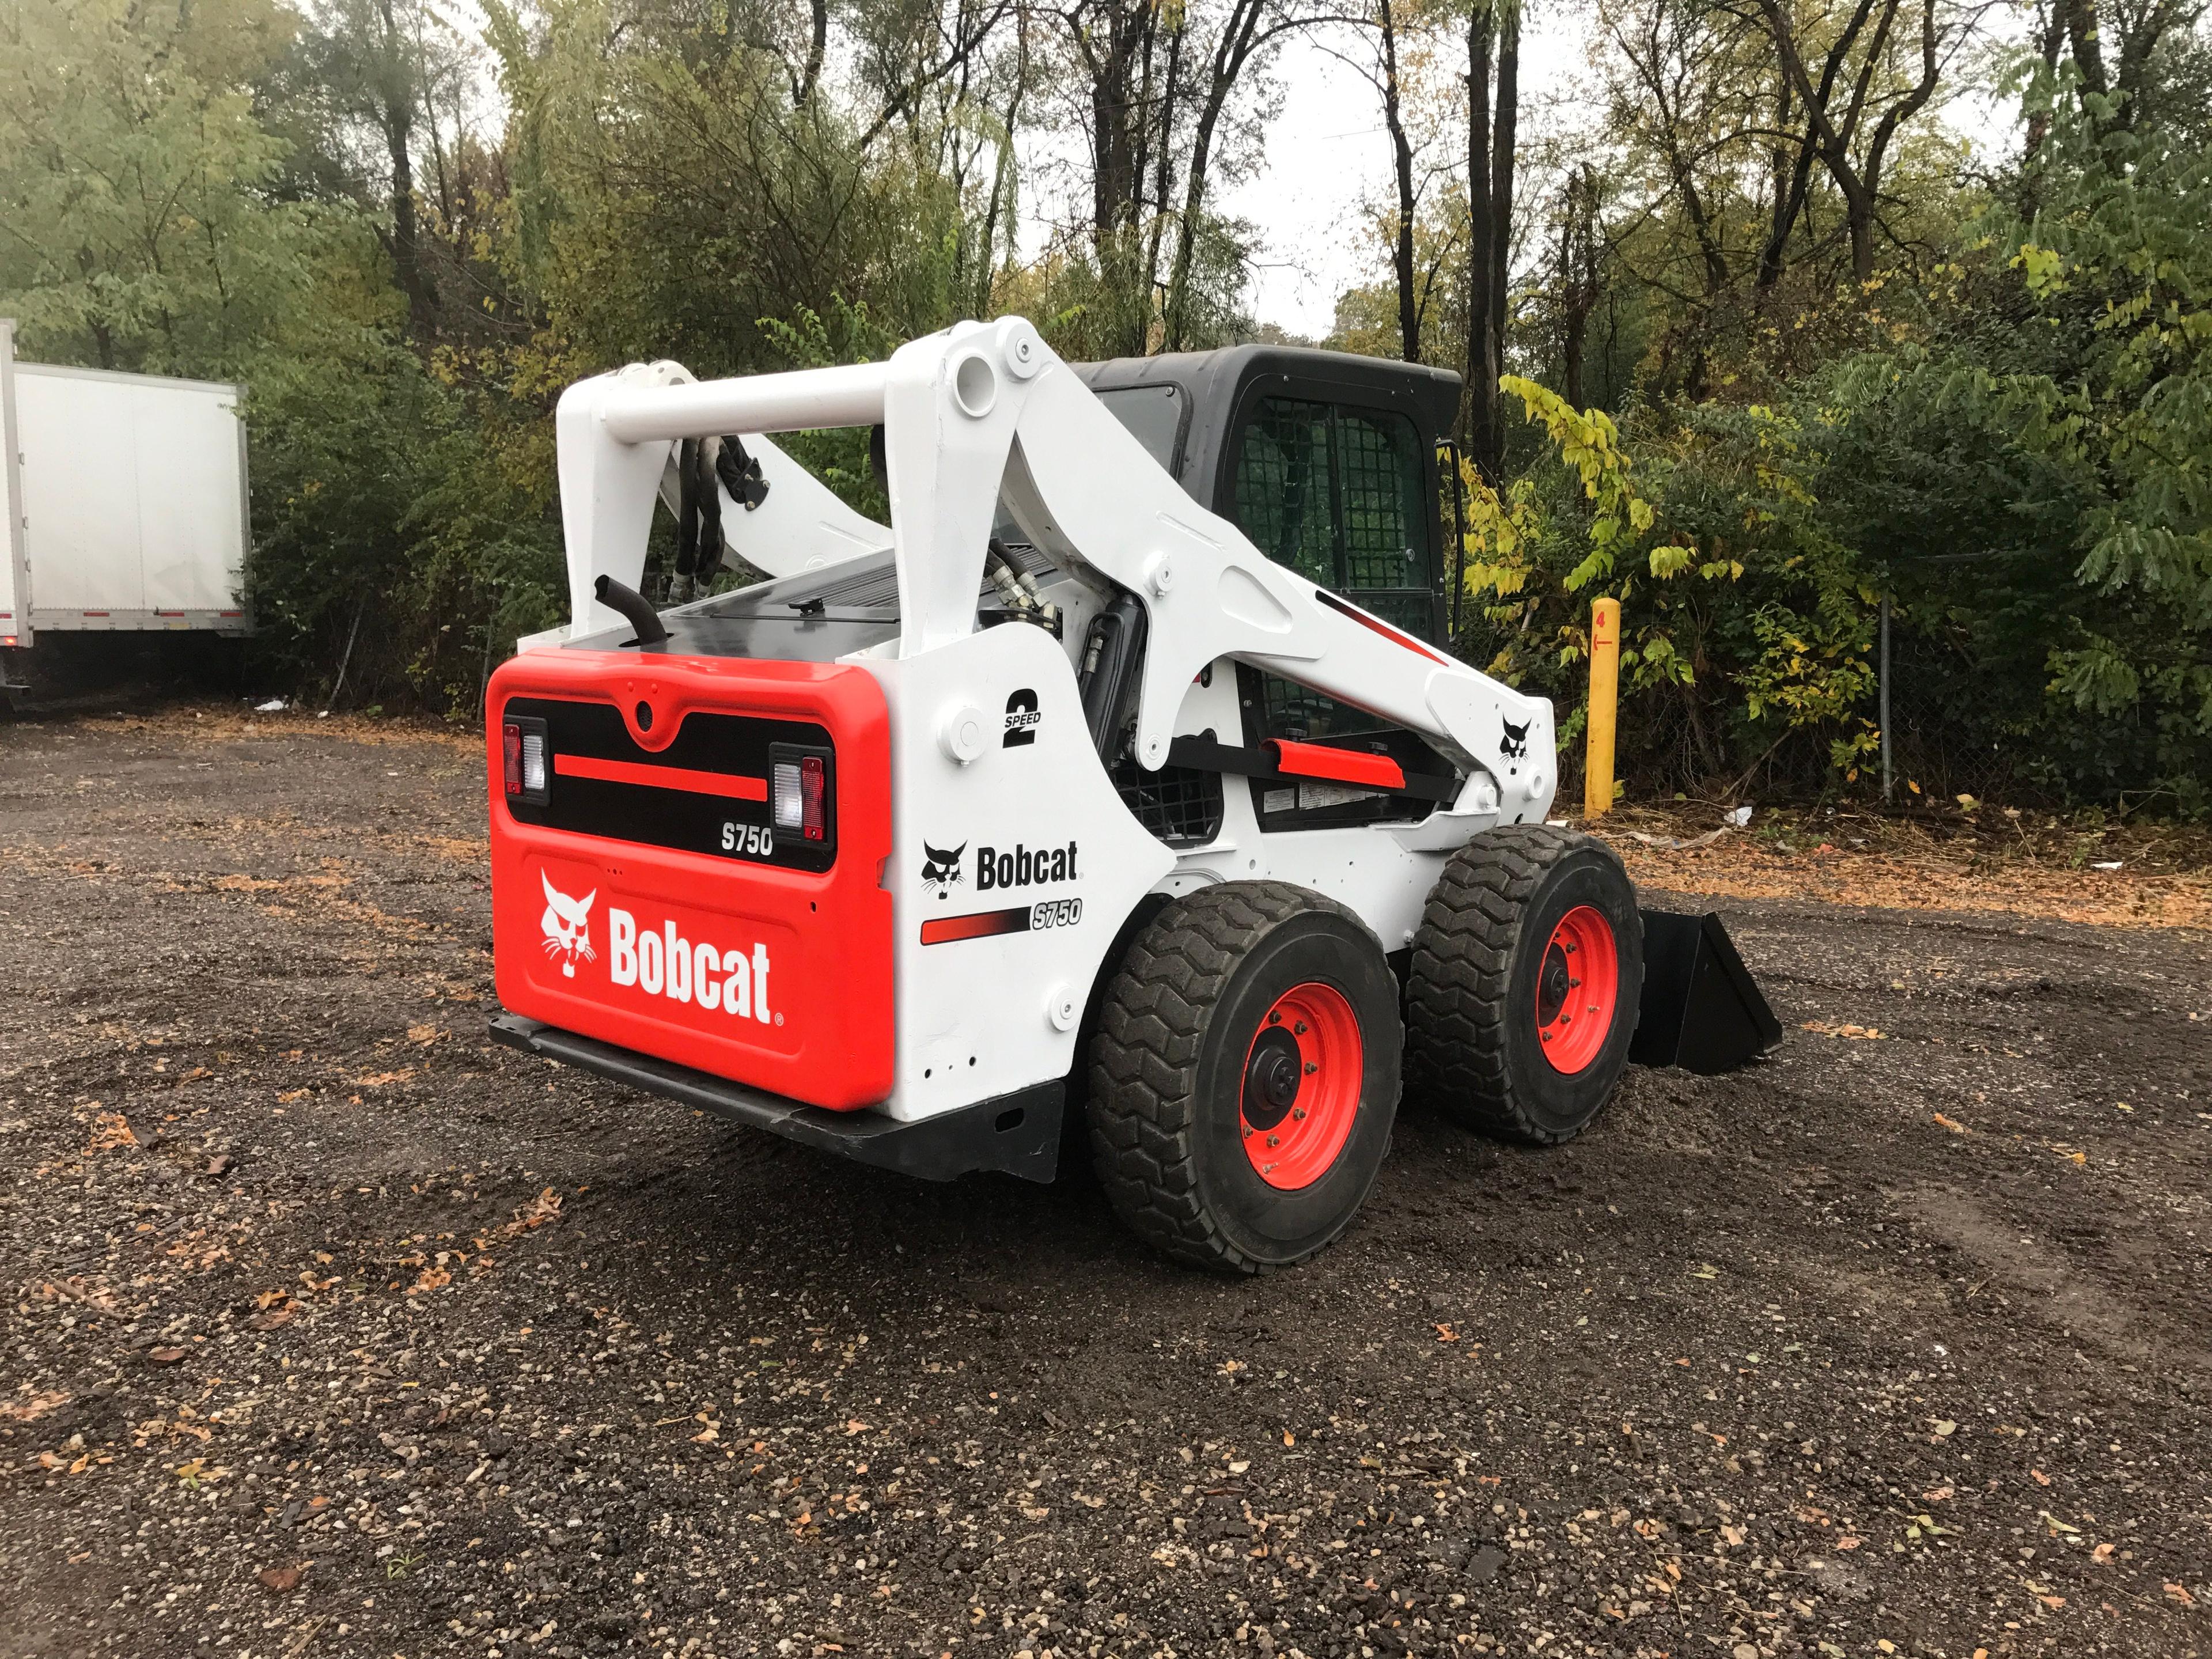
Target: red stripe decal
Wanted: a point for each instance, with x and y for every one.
(1396, 636)
(661, 777)
(1313, 759)
(983, 924)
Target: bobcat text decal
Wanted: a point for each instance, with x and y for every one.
(662, 963)
(1023, 865)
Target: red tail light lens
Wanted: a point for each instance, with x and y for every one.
(803, 796)
(813, 797)
(524, 760)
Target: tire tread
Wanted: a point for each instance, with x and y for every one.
(1146, 1056)
(1462, 975)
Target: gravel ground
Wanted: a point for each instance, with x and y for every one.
(333, 1329)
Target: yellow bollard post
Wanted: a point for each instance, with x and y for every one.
(1604, 704)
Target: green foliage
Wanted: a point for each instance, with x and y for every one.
(135, 230)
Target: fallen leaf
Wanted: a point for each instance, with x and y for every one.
(1938, 1494)
(2181, 1595)
(165, 1356)
(2041, 1478)
(218, 1163)
(2102, 1552)
(854, 1425)
(1446, 1333)
(2054, 1602)
(109, 1131)
(283, 1580)
(1952, 1124)
(31, 1410)
(1945, 1428)
(271, 1320)
(1848, 1542)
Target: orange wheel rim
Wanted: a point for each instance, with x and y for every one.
(1300, 1091)
(1577, 990)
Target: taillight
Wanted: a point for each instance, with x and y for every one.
(799, 796)
(522, 754)
(813, 807)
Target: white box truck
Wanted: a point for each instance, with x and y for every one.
(126, 501)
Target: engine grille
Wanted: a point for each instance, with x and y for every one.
(1178, 804)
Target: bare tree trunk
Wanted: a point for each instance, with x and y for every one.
(1578, 277)
(1163, 162)
(398, 123)
(2082, 33)
(1409, 311)
(1502, 147)
(1240, 37)
(1482, 236)
(817, 45)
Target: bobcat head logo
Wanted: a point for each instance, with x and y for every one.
(940, 869)
(566, 925)
(1515, 743)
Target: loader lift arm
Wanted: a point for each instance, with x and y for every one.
(987, 413)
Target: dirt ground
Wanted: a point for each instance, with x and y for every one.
(332, 1329)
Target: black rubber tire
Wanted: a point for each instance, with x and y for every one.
(1472, 1045)
(1167, 1072)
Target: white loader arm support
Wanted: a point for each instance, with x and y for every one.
(983, 409)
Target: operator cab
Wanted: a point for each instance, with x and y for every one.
(1330, 463)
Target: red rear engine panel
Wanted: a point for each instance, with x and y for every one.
(642, 891)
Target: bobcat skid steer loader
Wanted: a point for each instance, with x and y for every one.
(1120, 775)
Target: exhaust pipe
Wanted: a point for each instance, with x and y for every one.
(631, 602)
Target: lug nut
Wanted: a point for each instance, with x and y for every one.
(1274, 1140)
(1312, 1067)
(1298, 1113)
(1300, 1028)
(1274, 1018)
(1572, 982)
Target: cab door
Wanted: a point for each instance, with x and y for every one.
(1339, 493)
(1342, 491)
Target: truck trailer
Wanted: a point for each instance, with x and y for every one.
(125, 504)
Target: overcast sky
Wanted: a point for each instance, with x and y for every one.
(1327, 164)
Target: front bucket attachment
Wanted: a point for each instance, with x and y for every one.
(1700, 1010)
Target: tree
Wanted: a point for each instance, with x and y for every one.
(1494, 28)
(1853, 112)
(136, 229)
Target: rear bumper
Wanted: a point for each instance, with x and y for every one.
(1016, 1134)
